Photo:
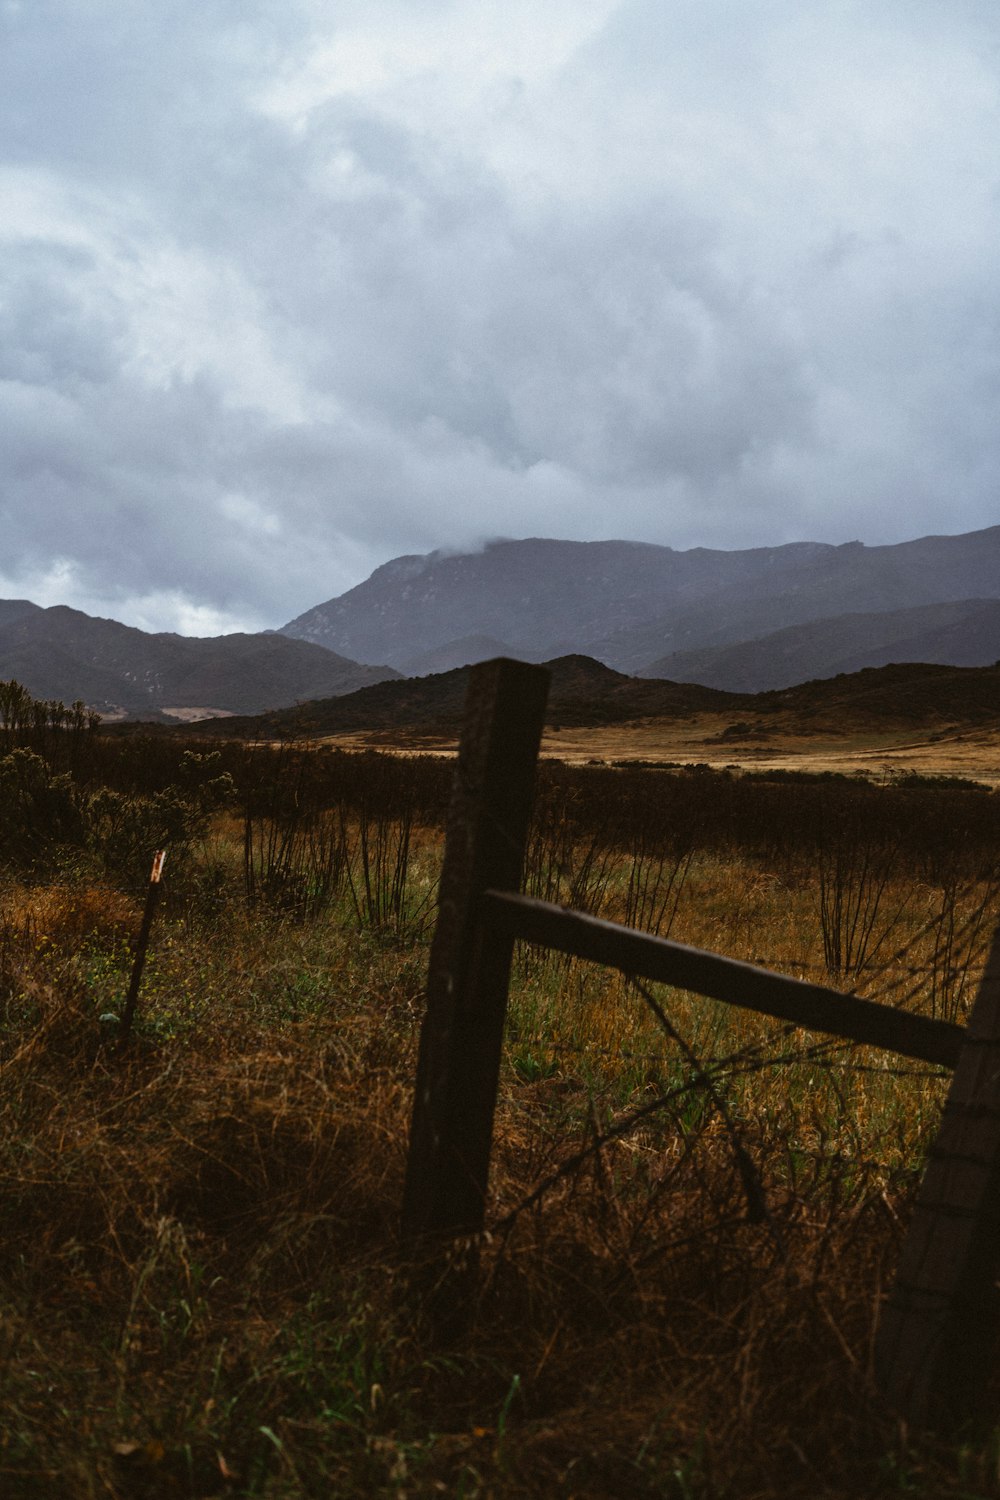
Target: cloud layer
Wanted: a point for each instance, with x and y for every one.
(287, 289)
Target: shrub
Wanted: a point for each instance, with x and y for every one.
(125, 829)
(41, 811)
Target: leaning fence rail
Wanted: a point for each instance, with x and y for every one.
(812, 1006)
(937, 1334)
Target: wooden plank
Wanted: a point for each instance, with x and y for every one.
(809, 1005)
(461, 1037)
(938, 1334)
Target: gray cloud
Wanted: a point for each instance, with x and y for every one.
(286, 291)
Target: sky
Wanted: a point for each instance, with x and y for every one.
(292, 287)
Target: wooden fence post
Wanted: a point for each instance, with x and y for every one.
(460, 1041)
(937, 1339)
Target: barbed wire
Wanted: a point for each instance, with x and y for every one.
(629, 1054)
(752, 1058)
(895, 964)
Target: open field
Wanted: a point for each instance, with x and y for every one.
(909, 719)
(202, 1290)
(972, 753)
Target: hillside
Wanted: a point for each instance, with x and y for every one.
(629, 603)
(963, 634)
(63, 653)
(12, 610)
(462, 653)
(913, 695)
(585, 693)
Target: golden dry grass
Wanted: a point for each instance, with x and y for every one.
(971, 753)
(202, 1291)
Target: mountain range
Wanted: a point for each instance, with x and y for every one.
(745, 621)
(653, 611)
(64, 653)
(965, 633)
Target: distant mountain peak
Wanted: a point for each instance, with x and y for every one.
(632, 603)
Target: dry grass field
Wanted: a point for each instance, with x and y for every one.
(972, 753)
(690, 1231)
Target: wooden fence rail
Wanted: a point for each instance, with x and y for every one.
(937, 1336)
(812, 1006)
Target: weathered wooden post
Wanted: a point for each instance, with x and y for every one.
(937, 1340)
(460, 1042)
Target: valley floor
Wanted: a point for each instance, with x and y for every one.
(971, 753)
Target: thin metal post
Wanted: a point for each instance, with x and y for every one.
(142, 943)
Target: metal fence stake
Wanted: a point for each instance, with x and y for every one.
(142, 943)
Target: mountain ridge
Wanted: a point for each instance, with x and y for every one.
(746, 620)
(62, 653)
(631, 603)
(585, 693)
(963, 633)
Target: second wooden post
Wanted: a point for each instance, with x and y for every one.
(937, 1343)
(461, 1038)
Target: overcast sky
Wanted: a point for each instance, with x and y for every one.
(290, 287)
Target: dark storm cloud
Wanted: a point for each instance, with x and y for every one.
(287, 290)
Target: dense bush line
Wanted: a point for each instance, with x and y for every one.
(64, 783)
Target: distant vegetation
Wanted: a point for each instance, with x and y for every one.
(199, 1272)
(585, 693)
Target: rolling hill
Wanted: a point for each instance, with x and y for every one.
(962, 634)
(585, 693)
(63, 653)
